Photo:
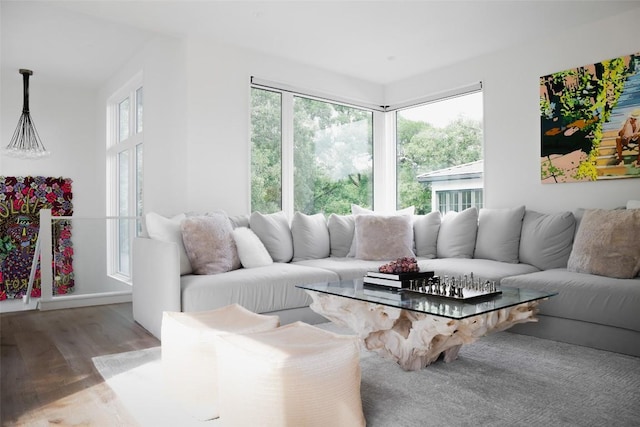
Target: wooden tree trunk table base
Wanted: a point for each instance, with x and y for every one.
(413, 339)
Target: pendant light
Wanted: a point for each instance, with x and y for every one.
(25, 142)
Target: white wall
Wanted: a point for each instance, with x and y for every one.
(512, 116)
(219, 111)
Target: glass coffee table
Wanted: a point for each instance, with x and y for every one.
(416, 329)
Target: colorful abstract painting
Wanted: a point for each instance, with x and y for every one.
(590, 121)
(21, 199)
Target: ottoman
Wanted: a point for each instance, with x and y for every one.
(295, 375)
(189, 353)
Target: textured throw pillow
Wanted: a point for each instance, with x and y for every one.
(359, 210)
(209, 244)
(546, 239)
(310, 237)
(251, 251)
(341, 229)
(425, 234)
(607, 244)
(381, 237)
(499, 234)
(457, 235)
(274, 232)
(168, 230)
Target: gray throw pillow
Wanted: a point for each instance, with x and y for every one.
(607, 244)
(209, 244)
(274, 232)
(310, 237)
(341, 229)
(381, 237)
(499, 234)
(457, 235)
(546, 239)
(425, 234)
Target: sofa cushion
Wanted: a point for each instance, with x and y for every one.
(261, 289)
(274, 232)
(457, 235)
(209, 244)
(341, 229)
(485, 269)
(425, 234)
(168, 230)
(585, 297)
(310, 236)
(380, 237)
(346, 268)
(251, 251)
(546, 239)
(608, 244)
(499, 234)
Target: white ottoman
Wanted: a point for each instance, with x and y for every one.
(189, 353)
(295, 375)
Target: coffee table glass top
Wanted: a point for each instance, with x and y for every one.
(430, 304)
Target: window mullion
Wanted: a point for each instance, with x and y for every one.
(287, 154)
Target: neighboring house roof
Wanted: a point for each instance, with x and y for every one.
(466, 171)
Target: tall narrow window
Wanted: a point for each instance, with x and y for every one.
(439, 154)
(124, 166)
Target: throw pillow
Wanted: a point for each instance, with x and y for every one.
(310, 237)
(274, 232)
(633, 204)
(209, 244)
(168, 230)
(251, 251)
(499, 234)
(546, 239)
(359, 210)
(341, 229)
(425, 234)
(607, 244)
(457, 235)
(381, 237)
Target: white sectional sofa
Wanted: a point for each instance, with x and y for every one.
(516, 247)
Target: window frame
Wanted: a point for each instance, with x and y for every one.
(116, 146)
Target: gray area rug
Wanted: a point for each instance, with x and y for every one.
(504, 379)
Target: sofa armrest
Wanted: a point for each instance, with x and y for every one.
(156, 282)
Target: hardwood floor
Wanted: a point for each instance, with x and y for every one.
(46, 373)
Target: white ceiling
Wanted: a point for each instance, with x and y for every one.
(378, 41)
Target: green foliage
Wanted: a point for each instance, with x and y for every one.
(423, 148)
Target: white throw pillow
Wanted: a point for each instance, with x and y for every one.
(168, 230)
(251, 251)
(499, 234)
(380, 237)
(425, 234)
(457, 235)
(310, 237)
(274, 232)
(341, 228)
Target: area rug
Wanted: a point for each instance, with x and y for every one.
(504, 379)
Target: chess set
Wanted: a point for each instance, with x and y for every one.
(462, 288)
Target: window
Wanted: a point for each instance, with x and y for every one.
(124, 168)
(439, 154)
(308, 154)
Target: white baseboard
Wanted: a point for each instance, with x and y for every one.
(74, 301)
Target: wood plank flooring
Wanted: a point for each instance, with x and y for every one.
(46, 374)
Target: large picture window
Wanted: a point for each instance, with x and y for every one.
(124, 168)
(439, 154)
(309, 155)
